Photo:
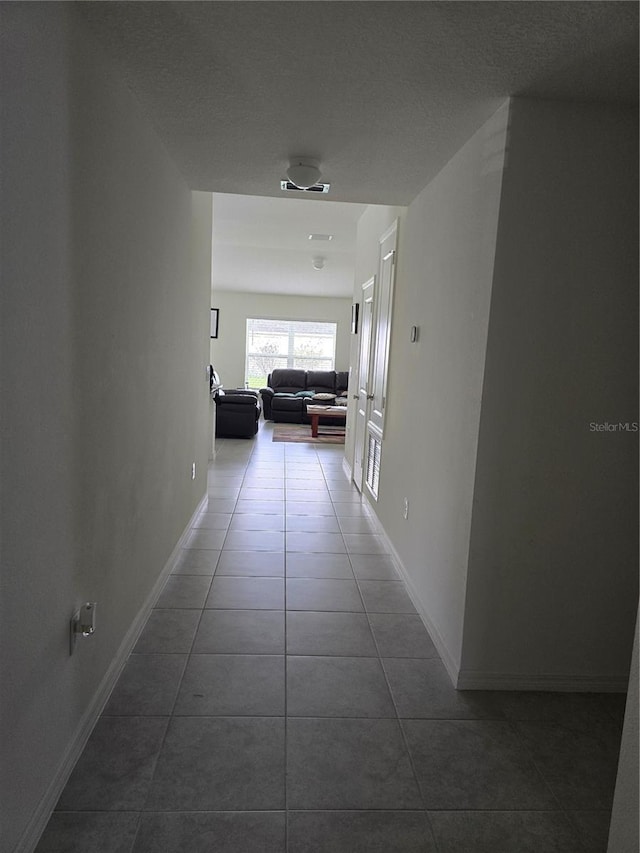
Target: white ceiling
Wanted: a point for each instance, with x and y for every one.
(262, 245)
(381, 93)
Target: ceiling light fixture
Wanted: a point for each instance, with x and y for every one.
(321, 236)
(317, 263)
(304, 172)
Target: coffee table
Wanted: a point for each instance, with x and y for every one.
(338, 413)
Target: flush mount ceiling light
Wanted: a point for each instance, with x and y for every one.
(321, 236)
(304, 172)
(290, 187)
(317, 263)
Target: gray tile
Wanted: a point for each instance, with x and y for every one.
(503, 832)
(259, 632)
(385, 597)
(206, 539)
(168, 632)
(184, 591)
(218, 763)
(232, 685)
(320, 594)
(422, 689)
(148, 685)
(312, 524)
(341, 496)
(358, 524)
(213, 520)
(310, 633)
(319, 543)
(336, 478)
(335, 566)
(576, 711)
(251, 563)
(351, 510)
(224, 505)
(264, 480)
(300, 476)
(374, 567)
(266, 465)
(256, 493)
(310, 494)
(223, 492)
(337, 687)
(114, 771)
(309, 508)
(246, 521)
(265, 477)
(196, 562)
(592, 829)
(474, 764)
(273, 507)
(211, 832)
(359, 832)
(238, 593)
(348, 764)
(80, 832)
(579, 767)
(401, 635)
(254, 540)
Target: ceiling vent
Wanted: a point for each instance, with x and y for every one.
(289, 186)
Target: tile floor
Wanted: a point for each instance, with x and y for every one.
(285, 696)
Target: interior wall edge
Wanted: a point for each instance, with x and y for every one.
(445, 653)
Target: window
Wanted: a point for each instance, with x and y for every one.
(287, 343)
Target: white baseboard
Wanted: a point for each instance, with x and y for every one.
(347, 469)
(40, 818)
(441, 646)
(478, 680)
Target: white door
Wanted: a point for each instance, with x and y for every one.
(364, 370)
(384, 299)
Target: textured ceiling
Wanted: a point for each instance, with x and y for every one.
(382, 93)
(262, 245)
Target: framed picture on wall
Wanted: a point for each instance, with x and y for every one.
(215, 314)
(355, 310)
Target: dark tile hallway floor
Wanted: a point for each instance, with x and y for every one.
(285, 696)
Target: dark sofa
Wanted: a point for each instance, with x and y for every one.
(237, 413)
(289, 391)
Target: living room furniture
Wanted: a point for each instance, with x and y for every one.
(290, 390)
(237, 413)
(327, 413)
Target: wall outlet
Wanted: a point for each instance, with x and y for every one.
(405, 509)
(193, 470)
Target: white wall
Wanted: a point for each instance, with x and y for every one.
(553, 567)
(443, 284)
(229, 349)
(104, 397)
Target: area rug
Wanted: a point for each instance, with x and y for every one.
(302, 433)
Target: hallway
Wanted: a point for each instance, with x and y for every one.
(285, 696)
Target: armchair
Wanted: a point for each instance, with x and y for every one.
(237, 413)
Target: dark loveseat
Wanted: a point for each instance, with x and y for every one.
(237, 413)
(289, 391)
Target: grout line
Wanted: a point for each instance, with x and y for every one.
(399, 723)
